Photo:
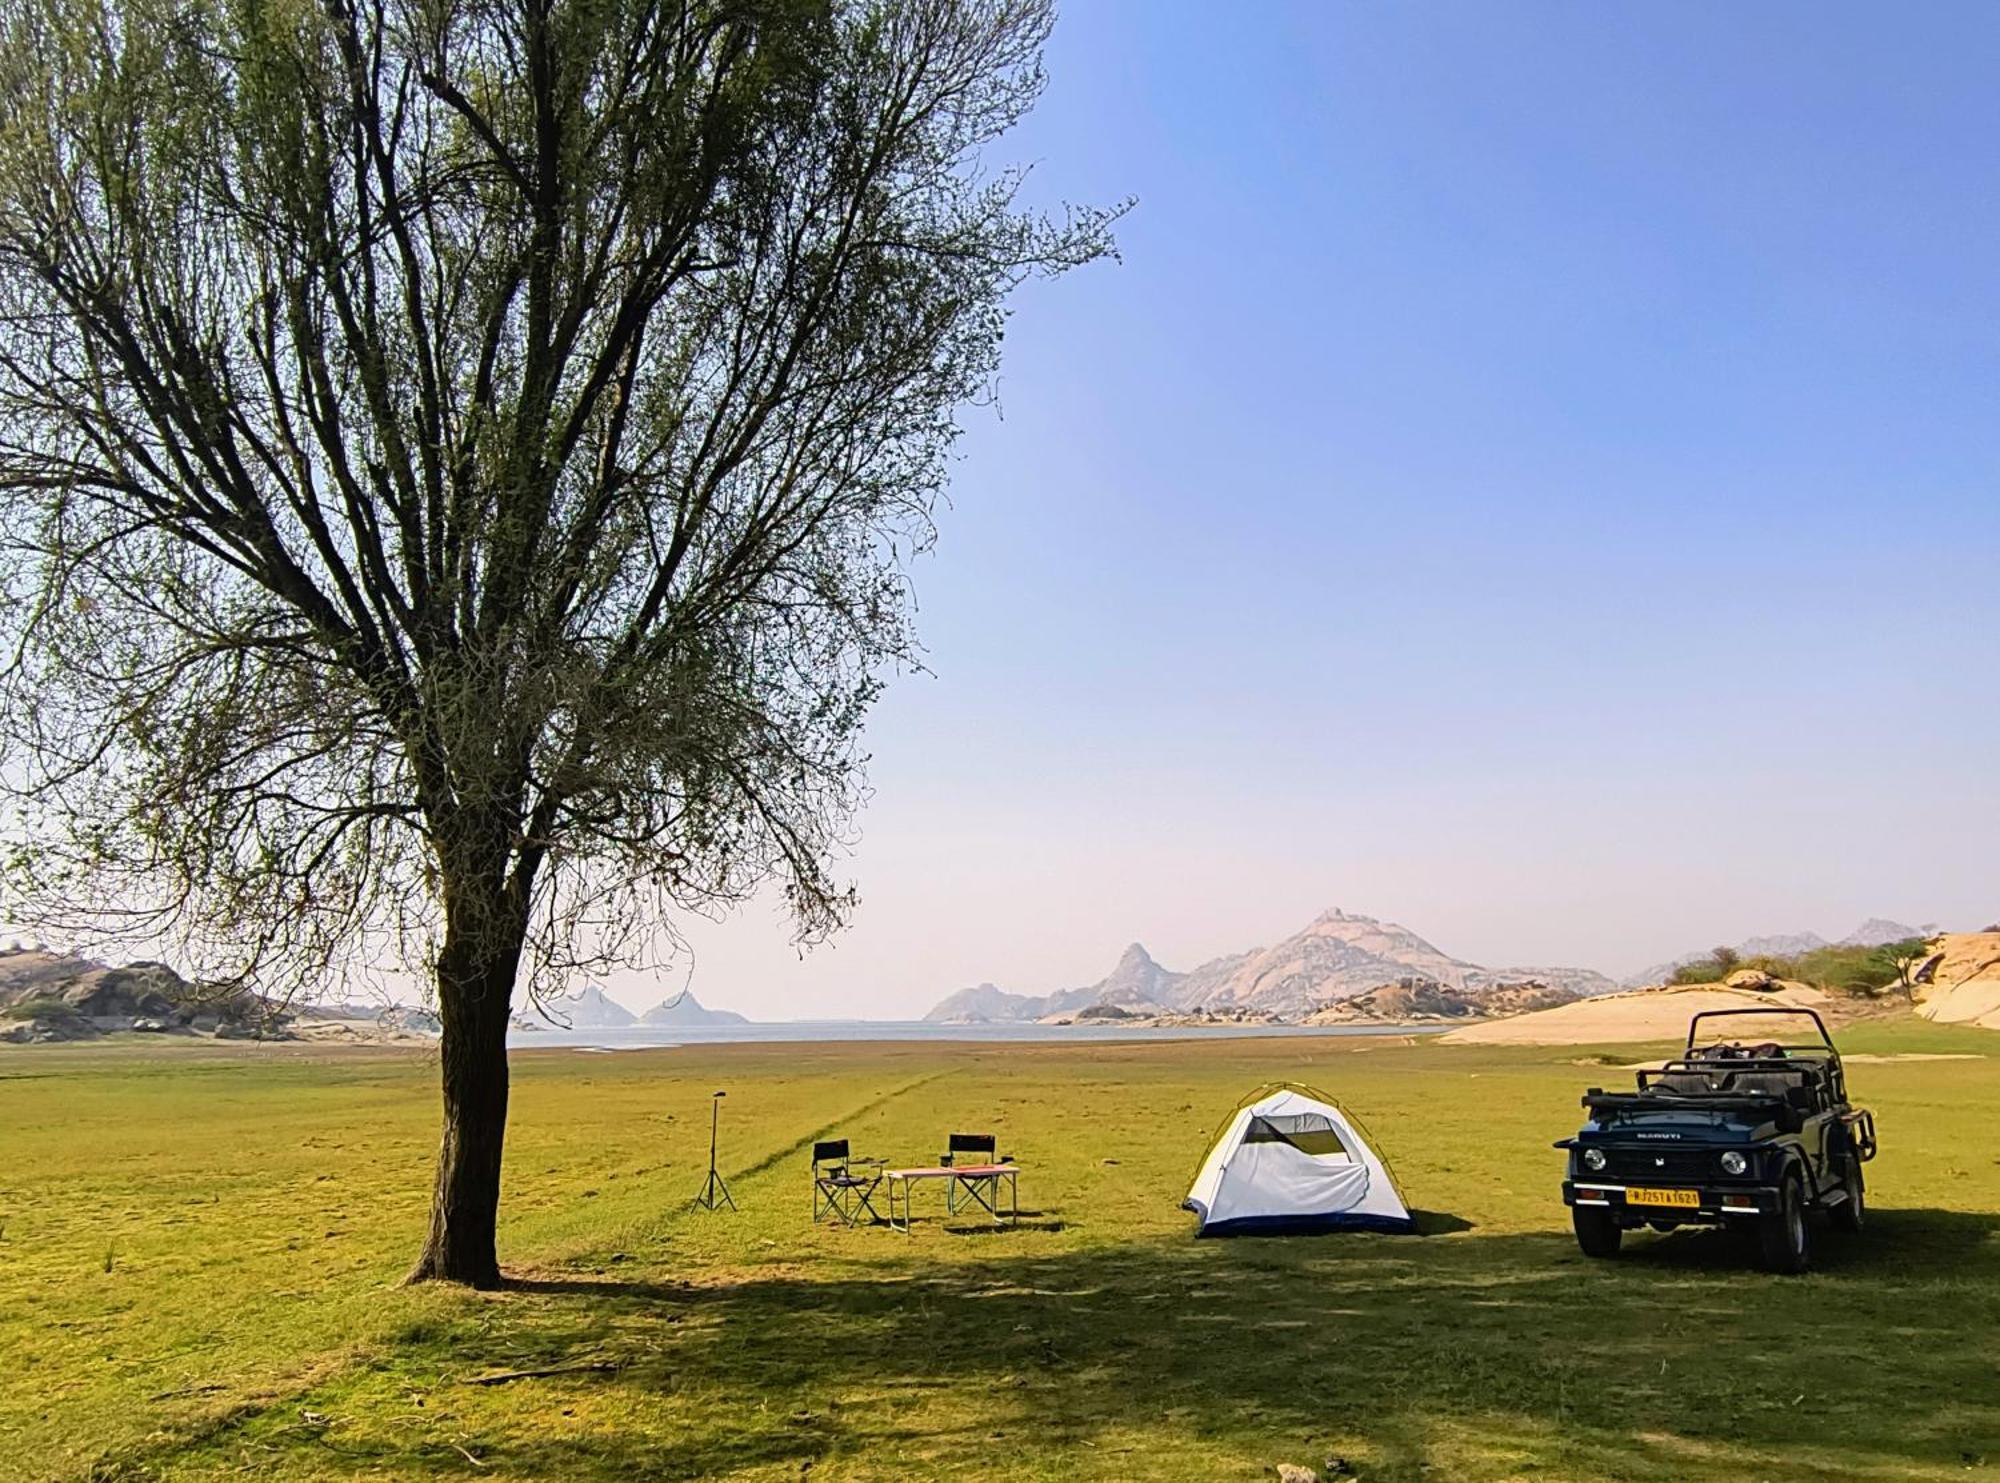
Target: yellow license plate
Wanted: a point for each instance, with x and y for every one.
(1678, 1197)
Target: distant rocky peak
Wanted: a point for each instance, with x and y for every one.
(683, 1008)
(589, 1008)
(1136, 956)
(1878, 931)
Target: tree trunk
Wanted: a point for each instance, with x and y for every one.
(475, 994)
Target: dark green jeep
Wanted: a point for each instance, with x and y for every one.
(1727, 1133)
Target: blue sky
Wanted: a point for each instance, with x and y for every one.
(1532, 477)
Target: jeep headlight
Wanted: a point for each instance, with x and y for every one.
(1593, 1160)
(1734, 1162)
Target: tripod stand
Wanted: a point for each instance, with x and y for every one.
(715, 1193)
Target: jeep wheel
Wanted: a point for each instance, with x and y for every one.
(1596, 1232)
(1850, 1214)
(1782, 1233)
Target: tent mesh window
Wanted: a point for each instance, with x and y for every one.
(1309, 1132)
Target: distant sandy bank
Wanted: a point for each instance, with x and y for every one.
(1642, 1014)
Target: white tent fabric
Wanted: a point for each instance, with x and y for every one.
(1293, 1161)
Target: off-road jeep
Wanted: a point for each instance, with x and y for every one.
(1725, 1134)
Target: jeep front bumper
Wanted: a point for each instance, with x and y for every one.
(1629, 1200)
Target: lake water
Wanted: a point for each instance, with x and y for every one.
(644, 1037)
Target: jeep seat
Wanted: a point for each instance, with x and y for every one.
(1681, 1081)
(1690, 1080)
(1771, 1083)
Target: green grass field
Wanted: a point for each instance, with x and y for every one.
(200, 1249)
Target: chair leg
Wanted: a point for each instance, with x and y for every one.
(864, 1200)
(975, 1195)
(826, 1200)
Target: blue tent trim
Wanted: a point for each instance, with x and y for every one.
(1305, 1225)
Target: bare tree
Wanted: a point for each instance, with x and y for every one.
(460, 462)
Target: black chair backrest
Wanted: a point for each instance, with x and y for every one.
(977, 1143)
(833, 1151)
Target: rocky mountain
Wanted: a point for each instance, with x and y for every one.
(1135, 982)
(1871, 933)
(1336, 956)
(1879, 930)
(59, 996)
(685, 1009)
(589, 1008)
(1341, 954)
(985, 1004)
(1783, 945)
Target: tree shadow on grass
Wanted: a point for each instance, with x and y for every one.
(972, 1223)
(1477, 1356)
(1012, 1227)
(1896, 1242)
(615, 1289)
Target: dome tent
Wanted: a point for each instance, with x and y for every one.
(1291, 1161)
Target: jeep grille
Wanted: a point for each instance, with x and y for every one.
(1641, 1164)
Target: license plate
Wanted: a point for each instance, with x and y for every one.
(1687, 1198)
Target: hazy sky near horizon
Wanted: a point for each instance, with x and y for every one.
(1532, 477)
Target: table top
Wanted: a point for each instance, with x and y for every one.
(949, 1171)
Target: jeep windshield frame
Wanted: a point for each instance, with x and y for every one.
(1825, 1042)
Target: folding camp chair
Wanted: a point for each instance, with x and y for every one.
(843, 1186)
(969, 1148)
(978, 1147)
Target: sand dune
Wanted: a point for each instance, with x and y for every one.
(1643, 1014)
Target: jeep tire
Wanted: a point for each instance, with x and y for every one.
(1851, 1213)
(1783, 1234)
(1597, 1234)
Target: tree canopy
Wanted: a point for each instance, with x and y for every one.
(461, 462)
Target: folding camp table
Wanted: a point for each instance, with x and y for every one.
(978, 1183)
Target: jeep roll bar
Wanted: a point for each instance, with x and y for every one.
(1717, 1014)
